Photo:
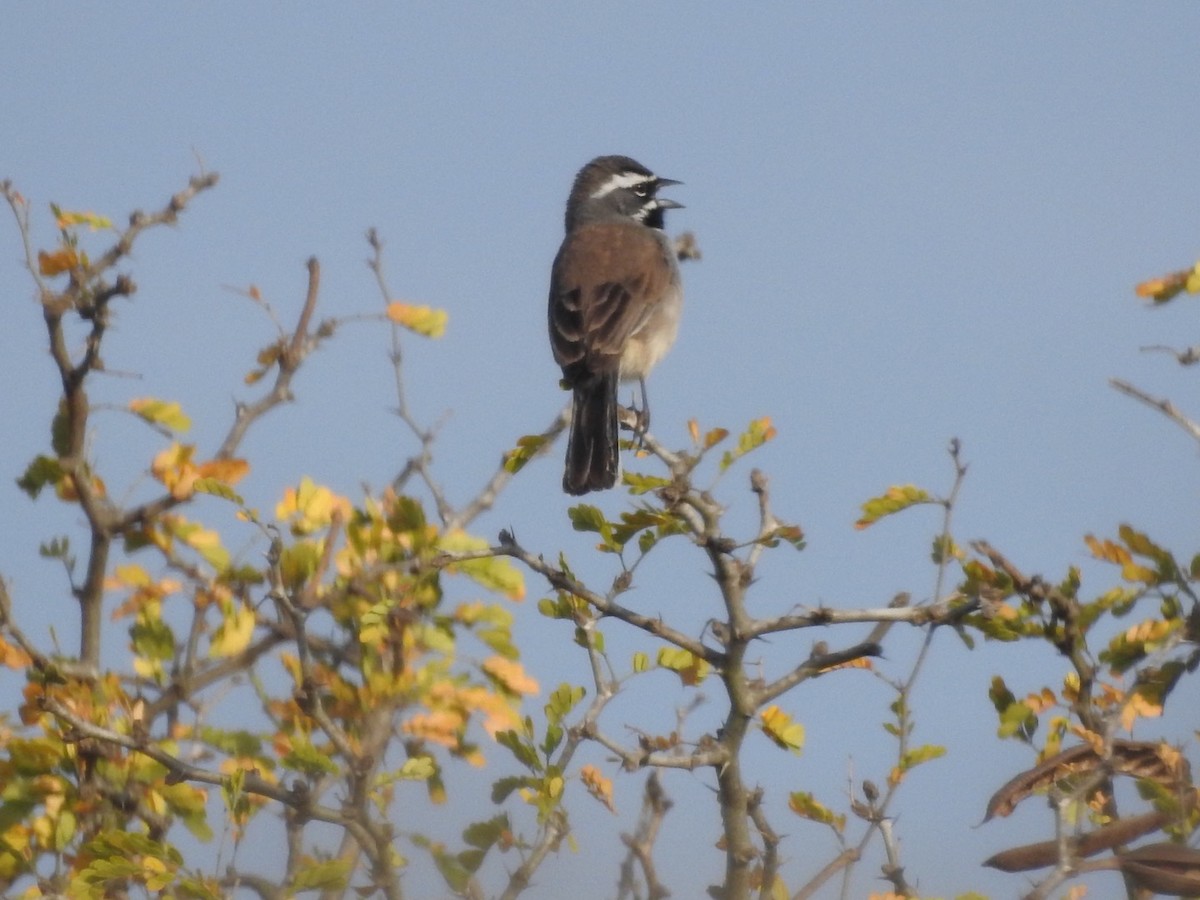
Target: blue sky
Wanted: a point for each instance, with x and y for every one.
(918, 222)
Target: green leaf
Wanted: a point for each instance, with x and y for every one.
(503, 787)
(586, 517)
(793, 534)
(452, 871)
(562, 701)
(554, 736)
(1018, 721)
(917, 755)
(329, 874)
(42, 471)
(1002, 698)
(891, 501)
(218, 488)
(524, 752)
(756, 434)
(60, 430)
(298, 562)
(528, 446)
(56, 548)
(417, 768)
(590, 638)
(483, 835)
(244, 744)
(304, 757)
(471, 860)
(661, 521)
(644, 484)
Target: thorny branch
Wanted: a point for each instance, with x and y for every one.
(733, 573)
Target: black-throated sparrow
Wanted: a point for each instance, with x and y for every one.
(615, 299)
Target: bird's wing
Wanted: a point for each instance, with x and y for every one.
(606, 281)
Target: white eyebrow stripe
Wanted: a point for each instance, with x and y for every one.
(618, 181)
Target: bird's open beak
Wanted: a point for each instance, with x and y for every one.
(663, 202)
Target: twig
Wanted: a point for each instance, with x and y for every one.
(770, 842)
(655, 806)
(1164, 406)
(560, 580)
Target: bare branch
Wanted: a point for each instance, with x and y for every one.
(1164, 406)
(655, 806)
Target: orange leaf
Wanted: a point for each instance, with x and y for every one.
(510, 675)
(61, 260)
(598, 786)
(13, 657)
(226, 471)
(1166, 287)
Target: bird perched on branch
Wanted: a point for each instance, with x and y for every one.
(615, 301)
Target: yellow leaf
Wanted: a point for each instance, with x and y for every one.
(310, 507)
(234, 633)
(173, 467)
(496, 573)
(691, 669)
(161, 412)
(66, 219)
(780, 728)
(149, 669)
(804, 804)
(1192, 285)
(1107, 550)
(178, 474)
(424, 320)
(598, 786)
(61, 260)
(205, 541)
(128, 575)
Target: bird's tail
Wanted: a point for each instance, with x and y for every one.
(593, 457)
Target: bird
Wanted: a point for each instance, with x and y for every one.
(615, 304)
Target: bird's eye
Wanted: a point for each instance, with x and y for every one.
(643, 189)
